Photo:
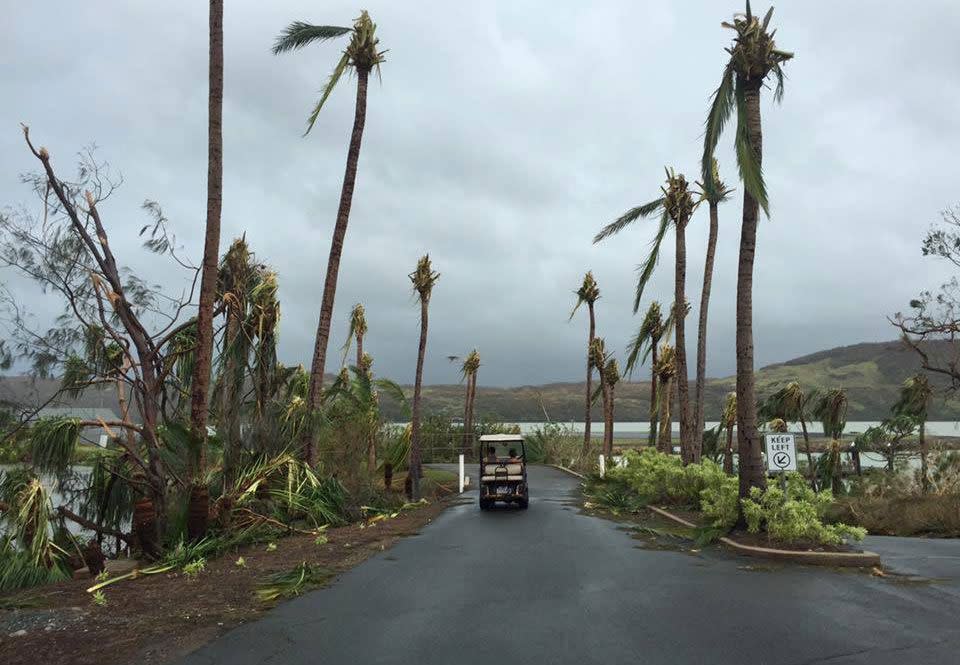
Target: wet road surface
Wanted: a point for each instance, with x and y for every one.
(551, 585)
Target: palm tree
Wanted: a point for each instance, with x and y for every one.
(666, 369)
(588, 293)
(469, 373)
(753, 57)
(714, 192)
(831, 410)
(358, 330)
(362, 392)
(362, 55)
(423, 279)
(598, 360)
(646, 343)
(611, 376)
(676, 206)
(792, 404)
(199, 505)
(728, 420)
(235, 281)
(915, 397)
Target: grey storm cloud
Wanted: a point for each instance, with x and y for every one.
(504, 134)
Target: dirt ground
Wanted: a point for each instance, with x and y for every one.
(158, 618)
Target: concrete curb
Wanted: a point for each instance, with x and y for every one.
(565, 469)
(841, 559)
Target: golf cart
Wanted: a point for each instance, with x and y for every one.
(503, 470)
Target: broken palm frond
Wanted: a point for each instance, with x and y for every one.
(53, 442)
(292, 582)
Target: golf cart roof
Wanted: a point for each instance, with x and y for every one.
(501, 438)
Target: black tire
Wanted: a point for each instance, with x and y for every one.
(485, 504)
(524, 503)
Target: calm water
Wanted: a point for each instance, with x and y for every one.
(631, 430)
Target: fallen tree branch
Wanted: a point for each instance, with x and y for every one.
(63, 511)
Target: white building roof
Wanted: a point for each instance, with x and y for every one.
(500, 438)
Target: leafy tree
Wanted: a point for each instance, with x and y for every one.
(423, 278)
(588, 294)
(362, 55)
(753, 57)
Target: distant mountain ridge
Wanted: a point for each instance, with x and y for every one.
(871, 373)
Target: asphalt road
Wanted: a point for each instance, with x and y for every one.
(551, 585)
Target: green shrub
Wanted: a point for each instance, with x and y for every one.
(660, 478)
(720, 502)
(796, 515)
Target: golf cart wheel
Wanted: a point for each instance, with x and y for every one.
(485, 504)
(524, 502)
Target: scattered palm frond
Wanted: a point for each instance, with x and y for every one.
(292, 582)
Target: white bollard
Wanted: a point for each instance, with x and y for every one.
(461, 474)
(603, 467)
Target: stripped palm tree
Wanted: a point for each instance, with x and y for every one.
(358, 330)
(611, 376)
(362, 55)
(675, 206)
(728, 420)
(263, 325)
(666, 369)
(714, 192)
(598, 360)
(644, 344)
(468, 372)
(588, 294)
(792, 404)
(753, 57)
(831, 410)
(423, 279)
(915, 397)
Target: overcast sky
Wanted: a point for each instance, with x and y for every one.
(503, 136)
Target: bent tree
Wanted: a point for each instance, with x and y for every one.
(714, 192)
(362, 56)
(753, 57)
(588, 294)
(675, 206)
(914, 402)
(114, 330)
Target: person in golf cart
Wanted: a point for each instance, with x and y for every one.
(503, 470)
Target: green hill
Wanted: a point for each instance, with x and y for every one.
(871, 373)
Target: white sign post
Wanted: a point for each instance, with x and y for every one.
(781, 453)
(463, 479)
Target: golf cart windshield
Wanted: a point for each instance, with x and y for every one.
(499, 451)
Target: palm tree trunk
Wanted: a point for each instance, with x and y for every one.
(752, 473)
(687, 451)
(665, 437)
(806, 445)
(924, 479)
(728, 453)
(359, 350)
(333, 264)
(698, 423)
(608, 423)
(414, 470)
(653, 392)
(229, 407)
(585, 450)
(468, 414)
(199, 505)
